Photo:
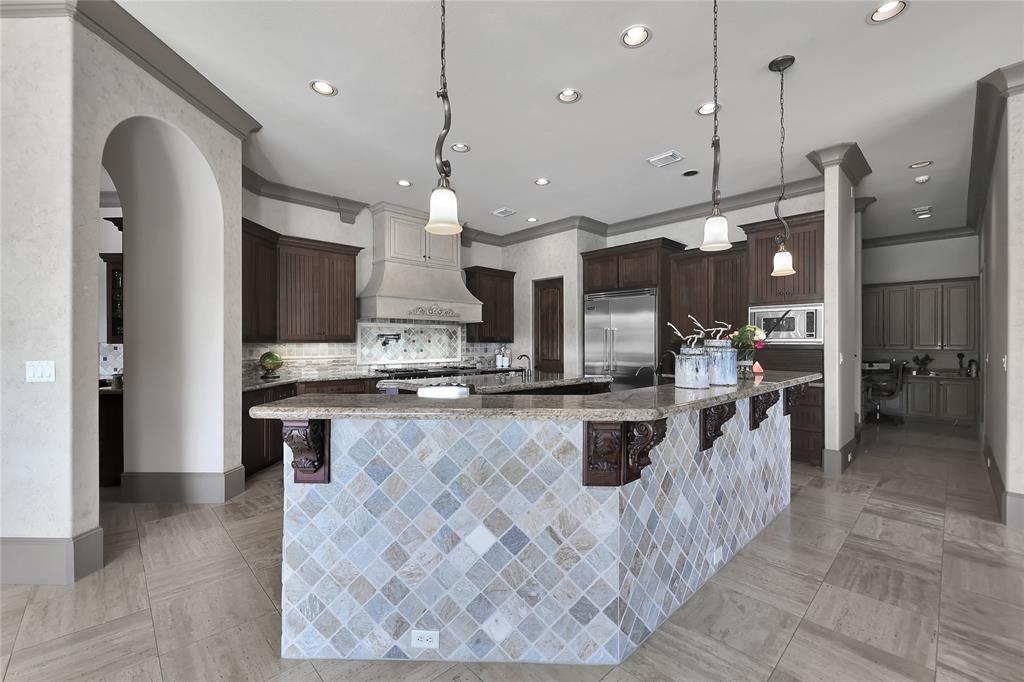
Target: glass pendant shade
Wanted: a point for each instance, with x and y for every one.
(716, 233)
(444, 212)
(782, 263)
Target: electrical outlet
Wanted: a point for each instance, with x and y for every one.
(38, 371)
(425, 639)
(849, 457)
(988, 462)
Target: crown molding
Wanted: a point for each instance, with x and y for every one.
(860, 204)
(915, 237)
(126, 34)
(347, 209)
(109, 199)
(576, 222)
(846, 155)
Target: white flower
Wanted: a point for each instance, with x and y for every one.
(759, 335)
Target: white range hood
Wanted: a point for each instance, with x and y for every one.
(416, 275)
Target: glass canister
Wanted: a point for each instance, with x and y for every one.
(692, 368)
(721, 362)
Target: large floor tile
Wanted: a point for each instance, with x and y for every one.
(907, 537)
(914, 587)
(250, 651)
(166, 582)
(526, 672)
(818, 654)
(192, 535)
(210, 609)
(987, 534)
(372, 671)
(995, 574)
(907, 634)
(94, 653)
(13, 600)
(784, 588)
(801, 530)
(980, 637)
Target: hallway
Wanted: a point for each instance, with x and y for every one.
(898, 570)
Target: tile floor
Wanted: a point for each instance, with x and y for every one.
(898, 570)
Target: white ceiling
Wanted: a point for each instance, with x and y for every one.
(903, 90)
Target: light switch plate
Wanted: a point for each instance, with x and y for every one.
(39, 371)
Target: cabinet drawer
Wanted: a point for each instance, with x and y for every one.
(338, 386)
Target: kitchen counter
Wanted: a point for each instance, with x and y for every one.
(489, 384)
(311, 375)
(492, 518)
(639, 404)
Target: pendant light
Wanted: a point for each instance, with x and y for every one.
(444, 207)
(782, 263)
(716, 227)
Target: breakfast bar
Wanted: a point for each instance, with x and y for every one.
(541, 528)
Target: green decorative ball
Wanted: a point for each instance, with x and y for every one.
(270, 362)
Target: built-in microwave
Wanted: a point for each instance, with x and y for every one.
(790, 324)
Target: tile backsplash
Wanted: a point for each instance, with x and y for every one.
(111, 359)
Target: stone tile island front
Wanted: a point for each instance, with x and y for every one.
(540, 528)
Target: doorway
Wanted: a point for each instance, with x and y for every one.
(548, 346)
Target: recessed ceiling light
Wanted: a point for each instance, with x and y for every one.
(323, 88)
(461, 147)
(531, 220)
(920, 164)
(886, 11)
(708, 108)
(404, 183)
(921, 179)
(922, 216)
(635, 36)
(690, 173)
(569, 96)
(542, 181)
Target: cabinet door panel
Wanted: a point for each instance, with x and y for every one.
(927, 316)
(601, 273)
(297, 304)
(254, 432)
(959, 314)
(872, 308)
(898, 306)
(764, 288)
(922, 398)
(727, 279)
(806, 446)
(958, 400)
(407, 240)
(443, 250)
(336, 297)
(689, 290)
(639, 269)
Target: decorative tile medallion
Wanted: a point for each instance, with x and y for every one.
(482, 530)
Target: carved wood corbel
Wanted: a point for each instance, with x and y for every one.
(759, 405)
(616, 452)
(310, 443)
(712, 419)
(792, 394)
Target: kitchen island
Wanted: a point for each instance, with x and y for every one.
(542, 528)
(526, 383)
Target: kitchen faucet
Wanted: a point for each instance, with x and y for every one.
(529, 365)
(654, 373)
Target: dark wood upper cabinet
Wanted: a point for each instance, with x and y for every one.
(115, 296)
(259, 282)
(710, 286)
(296, 289)
(494, 288)
(690, 288)
(630, 266)
(807, 245)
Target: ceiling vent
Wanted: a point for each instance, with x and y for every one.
(922, 209)
(503, 212)
(665, 158)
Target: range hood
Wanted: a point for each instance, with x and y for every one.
(416, 275)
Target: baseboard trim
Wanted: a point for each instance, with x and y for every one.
(50, 561)
(835, 462)
(207, 487)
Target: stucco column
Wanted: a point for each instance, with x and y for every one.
(842, 165)
(859, 205)
(1013, 511)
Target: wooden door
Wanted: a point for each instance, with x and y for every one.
(927, 316)
(298, 281)
(443, 250)
(638, 269)
(728, 288)
(548, 325)
(600, 273)
(406, 240)
(335, 296)
(958, 400)
(959, 315)
(688, 284)
(898, 306)
(922, 398)
(872, 318)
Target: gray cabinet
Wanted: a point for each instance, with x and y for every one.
(934, 399)
(959, 315)
(958, 400)
(922, 398)
(898, 304)
(941, 315)
(872, 311)
(928, 316)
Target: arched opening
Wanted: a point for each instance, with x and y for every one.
(173, 292)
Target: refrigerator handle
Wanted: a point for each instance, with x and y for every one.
(613, 363)
(607, 350)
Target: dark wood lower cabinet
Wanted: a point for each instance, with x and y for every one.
(339, 386)
(807, 426)
(111, 438)
(261, 438)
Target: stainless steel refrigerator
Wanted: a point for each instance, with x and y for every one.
(620, 336)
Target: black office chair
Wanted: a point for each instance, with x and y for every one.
(886, 387)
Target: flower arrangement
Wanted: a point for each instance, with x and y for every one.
(748, 337)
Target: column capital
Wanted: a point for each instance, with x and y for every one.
(846, 155)
(861, 203)
(1008, 80)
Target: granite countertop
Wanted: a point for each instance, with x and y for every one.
(296, 376)
(640, 404)
(498, 383)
